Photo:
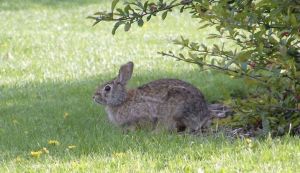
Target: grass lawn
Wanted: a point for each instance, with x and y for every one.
(51, 61)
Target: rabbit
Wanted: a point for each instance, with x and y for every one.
(173, 104)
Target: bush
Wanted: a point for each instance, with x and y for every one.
(266, 34)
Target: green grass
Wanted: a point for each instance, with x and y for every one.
(51, 61)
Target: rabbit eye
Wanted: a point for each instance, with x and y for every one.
(107, 88)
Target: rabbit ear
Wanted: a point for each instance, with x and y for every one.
(125, 73)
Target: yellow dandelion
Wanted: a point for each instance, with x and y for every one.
(71, 146)
(45, 150)
(121, 154)
(66, 114)
(53, 142)
(36, 154)
(248, 140)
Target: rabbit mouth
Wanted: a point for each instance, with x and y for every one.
(98, 101)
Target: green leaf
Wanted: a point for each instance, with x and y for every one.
(139, 4)
(173, 2)
(116, 26)
(100, 13)
(127, 8)
(96, 22)
(250, 81)
(260, 47)
(176, 41)
(148, 17)
(145, 6)
(92, 17)
(164, 15)
(204, 26)
(212, 36)
(198, 8)
(140, 22)
(194, 46)
(244, 56)
(185, 42)
(181, 56)
(181, 9)
(127, 26)
(204, 47)
(216, 48)
(113, 4)
(192, 55)
(293, 20)
(120, 11)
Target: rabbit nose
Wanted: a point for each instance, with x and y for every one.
(93, 97)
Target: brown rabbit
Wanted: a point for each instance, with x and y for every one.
(174, 104)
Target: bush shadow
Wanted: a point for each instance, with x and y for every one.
(33, 114)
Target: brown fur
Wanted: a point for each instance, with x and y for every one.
(171, 103)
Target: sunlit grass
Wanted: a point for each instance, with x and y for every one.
(51, 61)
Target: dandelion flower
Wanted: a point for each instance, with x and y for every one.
(118, 155)
(248, 140)
(36, 154)
(66, 114)
(53, 142)
(71, 146)
(45, 150)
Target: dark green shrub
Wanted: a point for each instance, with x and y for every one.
(266, 34)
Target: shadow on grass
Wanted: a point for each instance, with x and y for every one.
(64, 111)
